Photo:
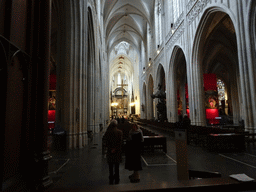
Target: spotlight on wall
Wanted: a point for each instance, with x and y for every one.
(149, 62)
(144, 70)
(158, 50)
(172, 28)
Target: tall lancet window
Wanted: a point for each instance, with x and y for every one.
(176, 9)
(124, 78)
(119, 78)
(158, 22)
(149, 40)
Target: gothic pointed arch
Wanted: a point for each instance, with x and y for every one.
(215, 55)
(160, 77)
(144, 101)
(178, 84)
(150, 111)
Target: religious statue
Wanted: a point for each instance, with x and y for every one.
(161, 105)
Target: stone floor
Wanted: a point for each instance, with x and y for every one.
(87, 168)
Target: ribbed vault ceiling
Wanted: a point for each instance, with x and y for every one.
(126, 21)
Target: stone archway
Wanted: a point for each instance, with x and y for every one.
(150, 112)
(160, 101)
(161, 77)
(144, 102)
(215, 56)
(179, 85)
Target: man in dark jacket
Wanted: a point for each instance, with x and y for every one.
(186, 122)
(114, 139)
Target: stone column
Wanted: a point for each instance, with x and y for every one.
(40, 66)
(84, 73)
(251, 60)
(188, 56)
(199, 112)
(235, 102)
(244, 70)
(173, 97)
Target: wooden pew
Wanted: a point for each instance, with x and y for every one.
(154, 142)
(226, 142)
(212, 137)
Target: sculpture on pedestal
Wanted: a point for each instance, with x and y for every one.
(161, 105)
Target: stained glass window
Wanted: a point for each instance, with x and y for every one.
(176, 9)
(158, 24)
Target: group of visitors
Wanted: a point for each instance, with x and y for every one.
(114, 141)
(133, 146)
(118, 119)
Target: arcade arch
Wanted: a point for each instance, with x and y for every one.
(150, 112)
(215, 57)
(161, 86)
(178, 85)
(161, 77)
(144, 102)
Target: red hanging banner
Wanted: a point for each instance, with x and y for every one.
(210, 82)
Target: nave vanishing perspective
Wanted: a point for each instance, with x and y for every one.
(70, 66)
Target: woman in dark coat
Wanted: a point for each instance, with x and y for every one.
(114, 140)
(133, 151)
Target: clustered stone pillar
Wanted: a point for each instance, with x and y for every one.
(40, 68)
(72, 72)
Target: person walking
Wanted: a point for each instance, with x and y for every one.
(114, 139)
(133, 151)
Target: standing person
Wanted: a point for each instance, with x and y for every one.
(186, 122)
(133, 151)
(114, 139)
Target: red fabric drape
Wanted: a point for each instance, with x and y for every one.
(210, 82)
(211, 114)
(51, 115)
